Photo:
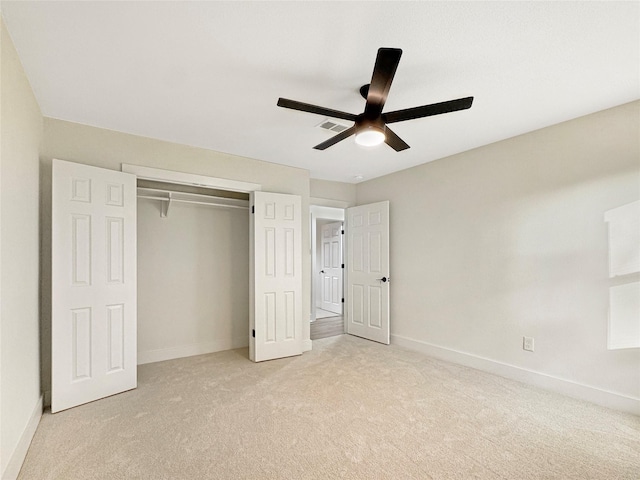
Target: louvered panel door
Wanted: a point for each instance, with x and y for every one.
(368, 271)
(93, 284)
(276, 276)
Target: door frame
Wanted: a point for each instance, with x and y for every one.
(182, 178)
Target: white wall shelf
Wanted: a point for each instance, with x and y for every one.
(167, 197)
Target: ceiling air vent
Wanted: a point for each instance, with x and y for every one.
(332, 126)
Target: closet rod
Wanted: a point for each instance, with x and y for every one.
(169, 196)
(163, 199)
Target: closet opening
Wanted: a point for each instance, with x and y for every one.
(193, 270)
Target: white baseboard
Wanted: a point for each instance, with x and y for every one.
(542, 380)
(17, 458)
(151, 356)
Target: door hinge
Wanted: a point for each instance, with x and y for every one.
(343, 300)
(253, 209)
(253, 333)
(343, 265)
(342, 232)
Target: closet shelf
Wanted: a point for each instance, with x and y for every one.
(168, 196)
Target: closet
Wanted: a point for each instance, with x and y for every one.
(193, 270)
(144, 271)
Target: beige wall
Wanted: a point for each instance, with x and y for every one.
(333, 191)
(109, 149)
(509, 240)
(20, 134)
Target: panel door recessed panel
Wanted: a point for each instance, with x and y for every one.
(289, 252)
(81, 190)
(81, 250)
(289, 315)
(289, 212)
(374, 218)
(270, 252)
(335, 254)
(375, 307)
(375, 254)
(357, 253)
(81, 344)
(335, 290)
(114, 194)
(270, 211)
(357, 313)
(326, 288)
(326, 255)
(115, 338)
(270, 317)
(115, 249)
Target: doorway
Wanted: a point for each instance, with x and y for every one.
(327, 294)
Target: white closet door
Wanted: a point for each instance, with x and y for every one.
(368, 271)
(331, 273)
(276, 276)
(93, 284)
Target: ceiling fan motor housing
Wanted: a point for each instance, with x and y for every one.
(370, 132)
(363, 123)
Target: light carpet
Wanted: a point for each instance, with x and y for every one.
(349, 409)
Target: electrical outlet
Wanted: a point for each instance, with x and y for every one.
(527, 343)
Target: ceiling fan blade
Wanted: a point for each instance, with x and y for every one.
(336, 138)
(427, 110)
(307, 107)
(394, 141)
(383, 73)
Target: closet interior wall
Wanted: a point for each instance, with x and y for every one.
(193, 276)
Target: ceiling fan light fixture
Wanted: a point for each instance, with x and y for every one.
(370, 126)
(370, 136)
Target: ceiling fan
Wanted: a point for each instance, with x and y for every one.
(371, 125)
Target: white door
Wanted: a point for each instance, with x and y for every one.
(331, 272)
(276, 276)
(368, 271)
(93, 284)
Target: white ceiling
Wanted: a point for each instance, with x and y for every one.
(209, 74)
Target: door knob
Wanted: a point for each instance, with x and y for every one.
(383, 279)
(321, 271)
